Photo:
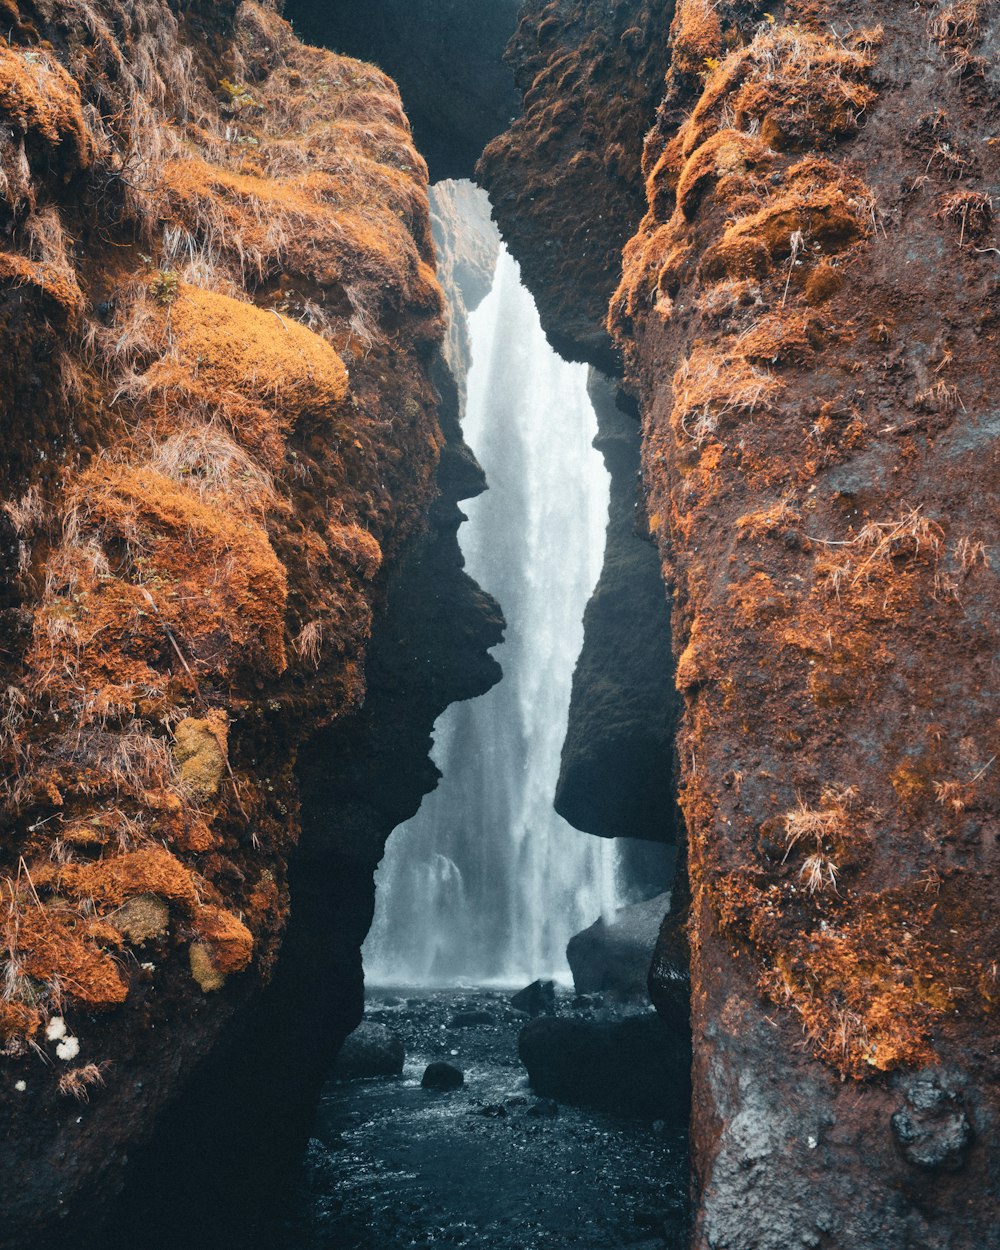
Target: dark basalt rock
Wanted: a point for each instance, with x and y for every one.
(932, 1129)
(616, 774)
(631, 1066)
(566, 179)
(371, 1050)
(613, 957)
(446, 56)
(536, 999)
(669, 980)
(442, 1076)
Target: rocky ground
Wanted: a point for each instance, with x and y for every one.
(487, 1165)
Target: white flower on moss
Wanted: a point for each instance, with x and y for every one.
(68, 1048)
(55, 1029)
(20, 1086)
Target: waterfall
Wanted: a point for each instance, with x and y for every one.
(486, 883)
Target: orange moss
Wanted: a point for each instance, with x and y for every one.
(695, 37)
(357, 547)
(823, 283)
(783, 337)
(56, 286)
(263, 225)
(757, 602)
(801, 88)
(264, 372)
(778, 518)
(18, 1020)
(727, 159)
(112, 881)
(177, 546)
(711, 384)
(38, 98)
(220, 466)
(228, 940)
(817, 204)
(56, 944)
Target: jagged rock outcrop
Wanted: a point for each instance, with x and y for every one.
(807, 319)
(444, 54)
(616, 776)
(565, 180)
(221, 395)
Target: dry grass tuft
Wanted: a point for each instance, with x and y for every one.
(78, 1082)
(972, 210)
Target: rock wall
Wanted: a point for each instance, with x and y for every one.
(565, 179)
(807, 320)
(444, 54)
(616, 777)
(222, 393)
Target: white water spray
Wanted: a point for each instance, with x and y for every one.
(486, 883)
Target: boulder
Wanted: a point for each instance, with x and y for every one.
(441, 1075)
(634, 1066)
(613, 957)
(538, 998)
(371, 1050)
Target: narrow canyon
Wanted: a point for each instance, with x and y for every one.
(498, 624)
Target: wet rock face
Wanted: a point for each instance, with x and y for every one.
(442, 1076)
(815, 781)
(616, 776)
(932, 1129)
(538, 998)
(445, 56)
(565, 180)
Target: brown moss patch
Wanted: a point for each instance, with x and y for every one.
(695, 38)
(142, 919)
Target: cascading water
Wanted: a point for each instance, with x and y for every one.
(486, 883)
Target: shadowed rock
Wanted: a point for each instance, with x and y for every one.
(371, 1050)
(633, 1066)
(446, 56)
(613, 957)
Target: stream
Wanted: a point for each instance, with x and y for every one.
(489, 1165)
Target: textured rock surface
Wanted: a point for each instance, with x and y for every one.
(807, 317)
(616, 777)
(565, 179)
(446, 57)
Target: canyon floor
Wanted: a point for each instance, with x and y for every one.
(393, 1165)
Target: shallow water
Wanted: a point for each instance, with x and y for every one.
(392, 1165)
